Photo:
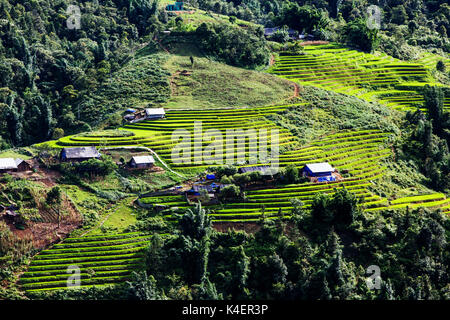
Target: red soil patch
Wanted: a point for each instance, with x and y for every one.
(44, 233)
(310, 43)
(272, 60)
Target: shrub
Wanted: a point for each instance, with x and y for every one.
(440, 66)
(231, 192)
(359, 35)
(234, 46)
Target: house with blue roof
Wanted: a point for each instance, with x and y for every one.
(177, 6)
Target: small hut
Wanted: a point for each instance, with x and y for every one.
(154, 113)
(79, 154)
(319, 172)
(142, 162)
(23, 165)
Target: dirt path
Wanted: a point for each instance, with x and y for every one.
(113, 210)
(172, 83)
(296, 91)
(272, 60)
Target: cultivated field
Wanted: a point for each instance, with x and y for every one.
(357, 155)
(102, 260)
(367, 76)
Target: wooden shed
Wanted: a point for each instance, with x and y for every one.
(23, 165)
(79, 154)
(142, 162)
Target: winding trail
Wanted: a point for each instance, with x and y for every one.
(296, 91)
(103, 221)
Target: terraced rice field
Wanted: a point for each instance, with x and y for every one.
(367, 76)
(271, 201)
(357, 156)
(430, 60)
(102, 260)
(157, 135)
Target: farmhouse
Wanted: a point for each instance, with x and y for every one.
(147, 114)
(319, 172)
(142, 162)
(79, 154)
(268, 32)
(14, 165)
(177, 6)
(155, 113)
(209, 188)
(263, 169)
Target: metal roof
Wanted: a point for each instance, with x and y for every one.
(270, 31)
(320, 167)
(155, 111)
(143, 159)
(84, 152)
(262, 169)
(7, 163)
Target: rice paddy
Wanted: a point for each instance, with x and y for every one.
(357, 155)
(101, 260)
(371, 77)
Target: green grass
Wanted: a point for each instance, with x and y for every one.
(139, 81)
(214, 85)
(120, 219)
(358, 151)
(14, 154)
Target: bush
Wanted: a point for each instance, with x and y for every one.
(231, 192)
(359, 35)
(98, 167)
(440, 66)
(281, 35)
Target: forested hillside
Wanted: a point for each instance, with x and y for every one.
(50, 74)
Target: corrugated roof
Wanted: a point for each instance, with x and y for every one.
(254, 168)
(143, 159)
(320, 167)
(18, 161)
(83, 152)
(7, 163)
(198, 188)
(155, 111)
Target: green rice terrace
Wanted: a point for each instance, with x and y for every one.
(102, 260)
(368, 76)
(157, 134)
(357, 155)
